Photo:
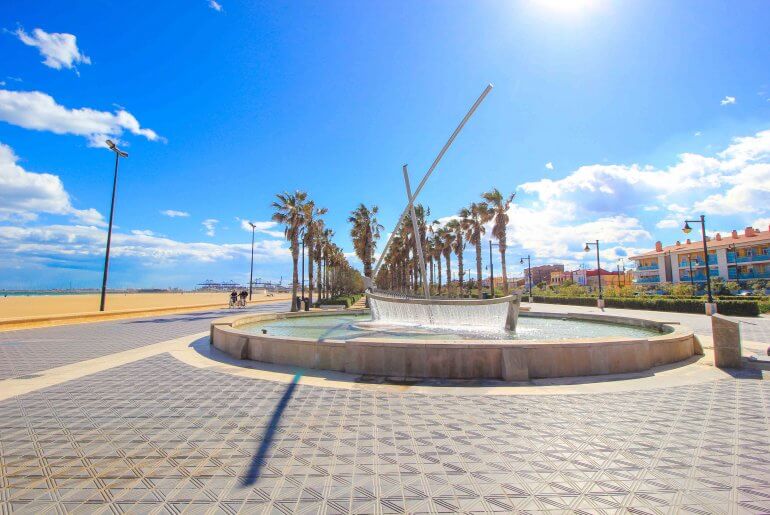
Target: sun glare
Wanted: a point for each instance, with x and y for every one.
(567, 6)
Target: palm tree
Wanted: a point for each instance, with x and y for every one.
(365, 233)
(474, 217)
(290, 211)
(498, 211)
(458, 245)
(314, 226)
(323, 245)
(446, 237)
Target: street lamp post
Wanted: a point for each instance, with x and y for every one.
(251, 270)
(302, 295)
(711, 307)
(600, 300)
(692, 279)
(492, 269)
(529, 273)
(118, 154)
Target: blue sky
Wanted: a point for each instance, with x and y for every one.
(647, 111)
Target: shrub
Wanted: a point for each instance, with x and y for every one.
(340, 300)
(726, 307)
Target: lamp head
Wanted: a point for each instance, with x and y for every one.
(111, 144)
(253, 226)
(521, 261)
(686, 229)
(587, 249)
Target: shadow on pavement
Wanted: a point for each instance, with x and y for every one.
(259, 459)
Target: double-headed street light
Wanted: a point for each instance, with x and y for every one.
(529, 273)
(118, 154)
(587, 248)
(251, 270)
(710, 309)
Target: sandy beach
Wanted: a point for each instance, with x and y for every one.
(45, 305)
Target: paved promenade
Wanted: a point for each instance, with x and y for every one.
(162, 435)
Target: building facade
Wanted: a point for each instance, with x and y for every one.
(737, 257)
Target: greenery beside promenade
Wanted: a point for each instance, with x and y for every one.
(340, 300)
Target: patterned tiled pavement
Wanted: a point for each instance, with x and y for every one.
(160, 436)
(25, 352)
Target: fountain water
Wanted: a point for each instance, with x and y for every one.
(487, 314)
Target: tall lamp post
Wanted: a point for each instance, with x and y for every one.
(118, 154)
(251, 270)
(600, 300)
(711, 307)
(492, 269)
(529, 273)
(302, 238)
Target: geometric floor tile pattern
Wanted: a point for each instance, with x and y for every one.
(159, 436)
(28, 351)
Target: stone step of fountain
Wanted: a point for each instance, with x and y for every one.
(359, 304)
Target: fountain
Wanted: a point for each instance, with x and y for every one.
(452, 338)
(463, 314)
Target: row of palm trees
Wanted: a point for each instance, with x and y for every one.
(401, 270)
(304, 227)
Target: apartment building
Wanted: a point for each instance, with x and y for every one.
(733, 257)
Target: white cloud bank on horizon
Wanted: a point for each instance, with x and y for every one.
(39, 111)
(23, 194)
(60, 50)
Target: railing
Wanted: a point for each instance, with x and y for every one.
(696, 278)
(748, 259)
(648, 280)
(749, 275)
(647, 267)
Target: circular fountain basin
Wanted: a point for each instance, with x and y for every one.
(544, 345)
(352, 326)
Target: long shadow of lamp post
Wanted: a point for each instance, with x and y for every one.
(711, 307)
(600, 300)
(529, 273)
(118, 154)
(251, 270)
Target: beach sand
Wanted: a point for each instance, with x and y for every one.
(35, 306)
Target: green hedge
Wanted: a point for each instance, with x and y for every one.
(764, 306)
(725, 307)
(340, 300)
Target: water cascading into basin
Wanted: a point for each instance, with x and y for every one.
(481, 314)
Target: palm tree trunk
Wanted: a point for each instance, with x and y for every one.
(294, 274)
(502, 263)
(448, 260)
(320, 281)
(438, 261)
(478, 266)
(461, 272)
(430, 280)
(310, 271)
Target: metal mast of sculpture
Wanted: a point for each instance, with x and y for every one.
(417, 235)
(407, 209)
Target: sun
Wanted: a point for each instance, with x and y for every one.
(566, 6)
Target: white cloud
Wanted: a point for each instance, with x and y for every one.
(210, 224)
(733, 181)
(669, 223)
(59, 49)
(175, 214)
(38, 111)
(261, 227)
(549, 165)
(698, 133)
(651, 208)
(23, 194)
(727, 101)
(146, 232)
(74, 242)
(762, 223)
(215, 5)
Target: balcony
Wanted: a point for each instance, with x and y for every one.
(696, 278)
(745, 276)
(752, 259)
(647, 267)
(648, 280)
